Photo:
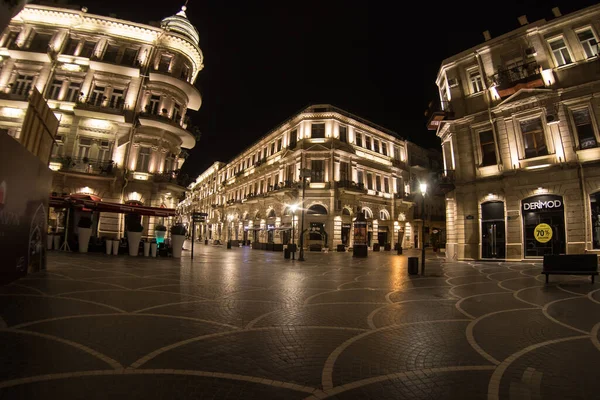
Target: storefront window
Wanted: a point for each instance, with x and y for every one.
(595, 207)
(543, 225)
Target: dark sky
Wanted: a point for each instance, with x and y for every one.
(264, 61)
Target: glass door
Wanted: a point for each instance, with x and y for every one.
(493, 239)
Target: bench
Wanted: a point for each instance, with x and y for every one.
(570, 264)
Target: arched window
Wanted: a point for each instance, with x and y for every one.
(271, 214)
(345, 211)
(384, 215)
(368, 213)
(317, 209)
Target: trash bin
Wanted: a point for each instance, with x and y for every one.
(286, 253)
(413, 265)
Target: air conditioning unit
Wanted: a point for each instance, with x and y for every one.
(530, 52)
(552, 119)
(453, 82)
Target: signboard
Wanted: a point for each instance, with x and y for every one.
(543, 233)
(24, 187)
(39, 127)
(470, 217)
(543, 203)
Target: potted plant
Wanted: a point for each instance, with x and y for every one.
(178, 232)
(84, 231)
(115, 244)
(109, 245)
(153, 247)
(159, 232)
(146, 247)
(134, 234)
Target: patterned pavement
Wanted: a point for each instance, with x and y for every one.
(248, 324)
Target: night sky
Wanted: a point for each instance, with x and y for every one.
(264, 61)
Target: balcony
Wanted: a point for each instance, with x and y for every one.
(173, 177)
(351, 186)
(174, 126)
(14, 100)
(84, 166)
(113, 111)
(437, 114)
(132, 70)
(193, 95)
(399, 164)
(526, 75)
(444, 182)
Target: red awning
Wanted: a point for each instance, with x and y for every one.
(103, 206)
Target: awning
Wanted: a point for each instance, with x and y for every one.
(103, 206)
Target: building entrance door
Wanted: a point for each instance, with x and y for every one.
(493, 231)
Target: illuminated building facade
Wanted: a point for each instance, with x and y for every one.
(519, 126)
(120, 90)
(350, 164)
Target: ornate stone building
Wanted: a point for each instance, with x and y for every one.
(349, 163)
(121, 91)
(519, 126)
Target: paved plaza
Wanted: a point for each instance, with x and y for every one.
(241, 324)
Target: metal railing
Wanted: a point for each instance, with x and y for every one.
(509, 77)
(347, 184)
(111, 107)
(86, 165)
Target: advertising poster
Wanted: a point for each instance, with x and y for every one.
(24, 191)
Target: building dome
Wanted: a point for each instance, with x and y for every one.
(179, 23)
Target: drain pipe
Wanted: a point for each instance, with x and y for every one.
(585, 203)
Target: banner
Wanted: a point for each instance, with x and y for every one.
(25, 183)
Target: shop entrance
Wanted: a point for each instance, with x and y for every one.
(346, 234)
(543, 225)
(382, 235)
(493, 237)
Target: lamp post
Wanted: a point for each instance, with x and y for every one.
(293, 208)
(305, 174)
(229, 219)
(423, 187)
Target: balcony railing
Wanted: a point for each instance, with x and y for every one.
(525, 75)
(178, 121)
(438, 113)
(86, 165)
(112, 107)
(346, 184)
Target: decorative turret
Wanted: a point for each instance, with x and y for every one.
(179, 23)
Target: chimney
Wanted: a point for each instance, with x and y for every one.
(523, 20)
(486, 35)
(556, 12)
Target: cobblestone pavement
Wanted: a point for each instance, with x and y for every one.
(248, 324)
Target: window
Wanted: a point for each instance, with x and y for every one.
(560, 51)
(378, 183)
(317, 131)
(88, 49)
(359, 139)
(83, 148)
(376, 145)
(386, 185)
(116, 98)
(129, 56)
(40, 42)
(317, 171)
(10, 39)
(344, 171)
(272, 148)
(534, 141)
(343, 134)
(73, 92)
(104, 153)
(154, 105)
(384, 149)
(185, 72)
(369, 181)
(444, 96)
(293, 138)
(475, 79)
(488, 148)
(22, 85)
(396, 153)
(584, 128)
(143, 159)
(399, 186)
(368, 142)
(279, 145)
(360, 177)
(58, 148)
(588, 42)
(54, 91)
(164, 63)
(110, 54)
(177, 113)
(97, 96)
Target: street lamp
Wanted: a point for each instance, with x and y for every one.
(229, 219)
(305, 174)
(423, 188)
(293, 209)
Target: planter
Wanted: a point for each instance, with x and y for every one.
(84, 235)
(160, 236)
(153, 248)
(177, 245)
(341, 247)
(376, 246)
(56, 239)
(146, 249)
(49, 241)
(109, 245)
(387, 247)
(116, 244)
(133, 241)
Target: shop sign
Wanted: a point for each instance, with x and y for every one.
(543, 233)
(543, 203)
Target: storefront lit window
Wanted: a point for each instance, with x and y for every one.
(595, 208)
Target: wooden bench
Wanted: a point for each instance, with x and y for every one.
(570, 264)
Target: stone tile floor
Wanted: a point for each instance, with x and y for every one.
(248, 324)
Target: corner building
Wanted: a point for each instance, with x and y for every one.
(519, 126)
(121, 91)
(352, 165)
